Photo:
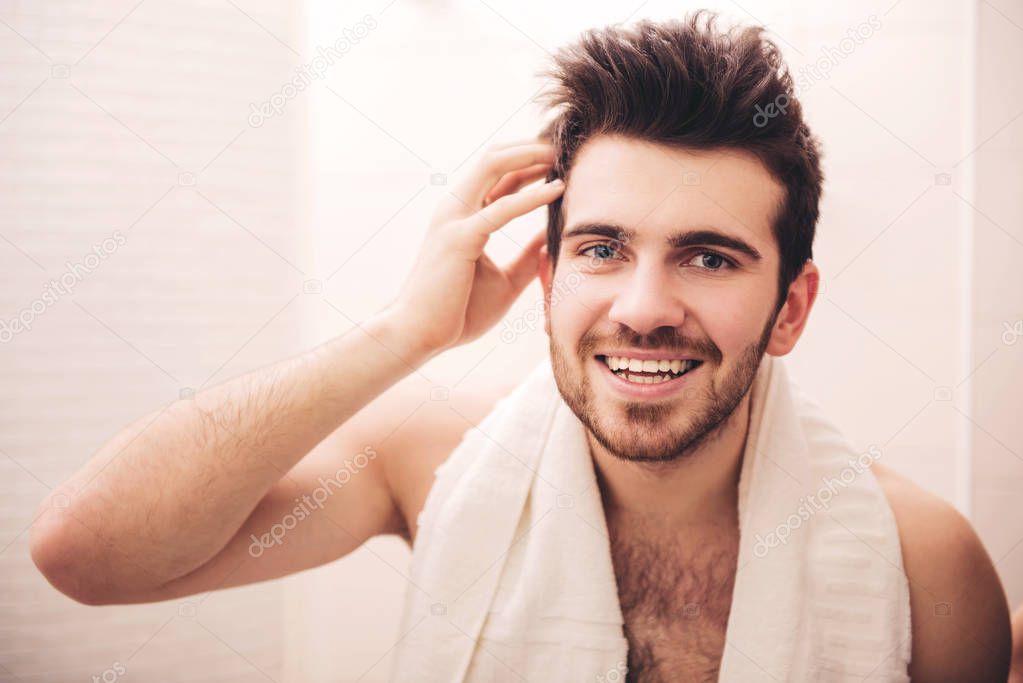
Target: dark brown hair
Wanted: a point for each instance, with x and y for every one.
(685, 84)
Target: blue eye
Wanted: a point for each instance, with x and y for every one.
(604, 253)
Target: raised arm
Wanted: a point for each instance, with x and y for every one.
(168, 505)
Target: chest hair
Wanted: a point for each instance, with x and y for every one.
(675, 589)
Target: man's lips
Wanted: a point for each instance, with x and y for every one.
(643, 384)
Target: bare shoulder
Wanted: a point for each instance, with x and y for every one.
(1017, 646)
(960, 616)
(422, 426)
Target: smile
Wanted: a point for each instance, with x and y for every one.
(648, 381)
(650, 371)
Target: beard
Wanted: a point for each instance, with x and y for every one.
(664, 430)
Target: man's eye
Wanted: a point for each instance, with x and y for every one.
(599, 252)
(722, 262)
(605, 252)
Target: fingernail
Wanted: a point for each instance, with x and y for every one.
(557, 182)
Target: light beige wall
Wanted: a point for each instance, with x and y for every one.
(995, 427)
(128, 122)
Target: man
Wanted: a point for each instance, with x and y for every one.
(677, 258)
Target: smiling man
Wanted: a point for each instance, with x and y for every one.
(656, 353)
(688, 222)
(657, 501)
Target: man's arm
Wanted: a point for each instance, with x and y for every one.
(960, 616)
(337, 497)
(177, 493)
(169, 492)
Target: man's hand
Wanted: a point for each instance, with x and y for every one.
(168, 506)
(455, 292)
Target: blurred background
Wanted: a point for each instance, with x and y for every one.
(191, 190)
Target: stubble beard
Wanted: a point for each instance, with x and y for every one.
(663, 430)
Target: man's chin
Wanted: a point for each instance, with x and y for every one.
(639, 450)
(639, 415)
(629, 438)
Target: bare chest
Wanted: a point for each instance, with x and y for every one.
(675, 592)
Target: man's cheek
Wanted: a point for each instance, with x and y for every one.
(574, 294)
(568, 319)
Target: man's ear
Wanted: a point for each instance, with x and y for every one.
(792, 317)
(546, 269)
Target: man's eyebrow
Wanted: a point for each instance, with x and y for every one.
(677, 240)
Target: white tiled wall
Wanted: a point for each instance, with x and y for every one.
(123, 129)
(996, 430)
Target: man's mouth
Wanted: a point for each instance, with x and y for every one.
(650, 371)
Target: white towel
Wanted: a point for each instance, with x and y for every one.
(512, 577)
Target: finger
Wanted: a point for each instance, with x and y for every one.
(478, 183)
(494, 216)
(516, 180)
(524, 268)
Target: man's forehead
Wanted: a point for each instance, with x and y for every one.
(655, 191)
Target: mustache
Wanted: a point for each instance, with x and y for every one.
(661, 339)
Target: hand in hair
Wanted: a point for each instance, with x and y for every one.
(455, 292)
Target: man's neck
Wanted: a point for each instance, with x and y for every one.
(699, 487)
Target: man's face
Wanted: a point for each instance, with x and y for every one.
(657, 295)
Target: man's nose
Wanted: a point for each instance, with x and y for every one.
(647, 301)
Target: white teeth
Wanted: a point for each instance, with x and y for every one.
(668, 369)
(643, 379)
(647, 379)
(637, 365)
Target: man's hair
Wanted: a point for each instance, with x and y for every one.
(685, 84)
